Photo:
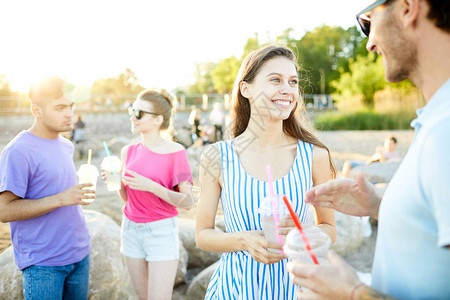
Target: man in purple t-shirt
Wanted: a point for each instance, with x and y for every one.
(41, 199)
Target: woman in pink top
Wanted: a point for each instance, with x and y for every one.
(157, 180)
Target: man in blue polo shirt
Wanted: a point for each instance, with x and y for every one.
(40, 198)
(412, 254)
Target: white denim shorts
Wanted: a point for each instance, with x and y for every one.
(154, 241)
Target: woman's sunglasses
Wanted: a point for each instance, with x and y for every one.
(138, 114)
(364, 20)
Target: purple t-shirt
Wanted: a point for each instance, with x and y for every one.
(32, 168)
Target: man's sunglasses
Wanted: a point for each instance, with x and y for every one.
(364, 20)
(138, 114)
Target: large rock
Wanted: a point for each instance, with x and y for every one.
(220, 223)
(116, 144)
(10, 277)
(182, 266)
(350, 233)
(378, 172)
(108, 276)
(197, 258)
(197, 288)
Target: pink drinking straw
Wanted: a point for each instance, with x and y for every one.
(299, 227)
(274, 205)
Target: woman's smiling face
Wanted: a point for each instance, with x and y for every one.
(274, 91)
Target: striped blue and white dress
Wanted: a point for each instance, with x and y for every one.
(238, 275)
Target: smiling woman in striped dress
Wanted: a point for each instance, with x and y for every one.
(266, 130)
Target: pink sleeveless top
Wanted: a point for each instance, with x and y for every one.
(166, 169)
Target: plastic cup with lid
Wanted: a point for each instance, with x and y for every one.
(88, 173)
(319, 241)
(113, 167)
(266, 212)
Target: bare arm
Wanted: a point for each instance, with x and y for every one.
(14, 208)
(210, 239)
(321, 173)
(182, 199)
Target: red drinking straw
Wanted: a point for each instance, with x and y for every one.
(299, 227)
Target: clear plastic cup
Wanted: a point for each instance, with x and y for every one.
(319, 241)
(111, 165)
(88, 173)
(196, 192)
(267, 218)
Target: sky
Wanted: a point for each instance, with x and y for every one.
(160, 41)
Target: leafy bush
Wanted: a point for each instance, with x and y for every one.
(363, 120)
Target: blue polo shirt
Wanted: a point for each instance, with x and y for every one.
(411, 258)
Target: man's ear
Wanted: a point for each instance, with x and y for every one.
(36, 111)
(410, 12)
(159, 120)
(245, 89)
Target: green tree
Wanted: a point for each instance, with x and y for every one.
(365, 77)
(252, 44)
(203, 80)
(322, 52)
(10, 99)
(286, 40)
(5, 89)
(126, 83)
(224, 74)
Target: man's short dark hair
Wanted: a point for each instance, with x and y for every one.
(392, 138)
(440, 13)
(47, 88)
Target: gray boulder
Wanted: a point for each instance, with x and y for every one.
(108, 276)
(378, 172)
(182, 266)
(10, 277)
(197, 258)
(380, 188)
(199, 285)
(220, 223)
(350, 233)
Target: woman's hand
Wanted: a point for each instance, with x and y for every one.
(137, 182)
(104, 175)
(285, 225)
(256, 245)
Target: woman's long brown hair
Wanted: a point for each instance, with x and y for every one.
(295, 125)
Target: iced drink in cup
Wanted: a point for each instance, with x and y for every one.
(266, 211)
(88, 173)
(112, 166)
(319, 241)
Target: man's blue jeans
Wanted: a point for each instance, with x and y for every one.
(69, 282)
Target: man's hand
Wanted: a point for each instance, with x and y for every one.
(351, 197)
(334, 281)
(74, 194)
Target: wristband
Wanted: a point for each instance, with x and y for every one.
(354, 290)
